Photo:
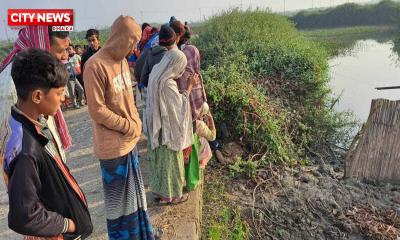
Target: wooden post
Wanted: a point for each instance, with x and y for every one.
(374, 154)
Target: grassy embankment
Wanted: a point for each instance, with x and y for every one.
(268, 83)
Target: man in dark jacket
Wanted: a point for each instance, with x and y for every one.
(93, 38)
(169, 36)
(45, 199)
(152, 56)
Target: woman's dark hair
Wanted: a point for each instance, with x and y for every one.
(188, 33)
(186, 37)
(167, 36)
(92, 32)
(144, 25)
(178, 27)
(172, 19)
(34, 69)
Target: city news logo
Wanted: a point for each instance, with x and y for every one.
(59, 19)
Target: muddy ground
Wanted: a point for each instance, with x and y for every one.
(310, 202)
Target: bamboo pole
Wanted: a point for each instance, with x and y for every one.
(375, 152)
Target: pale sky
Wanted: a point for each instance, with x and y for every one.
(100, 13)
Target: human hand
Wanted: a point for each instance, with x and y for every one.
(71, 226)
(134, 129)
(194, 80)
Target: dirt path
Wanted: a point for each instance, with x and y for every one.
(178, 222)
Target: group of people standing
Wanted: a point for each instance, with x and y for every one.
(176, 118)
(77, 57)
(45, 200)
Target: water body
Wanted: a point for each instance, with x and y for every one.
(355, 74)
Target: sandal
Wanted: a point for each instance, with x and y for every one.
(177, 201)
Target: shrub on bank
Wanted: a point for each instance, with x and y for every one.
(267, 82)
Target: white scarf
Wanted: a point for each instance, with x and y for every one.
(166, 109)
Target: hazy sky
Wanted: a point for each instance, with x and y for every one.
(99, 13)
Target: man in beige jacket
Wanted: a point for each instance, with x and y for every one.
(116, 131)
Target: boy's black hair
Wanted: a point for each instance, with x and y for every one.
(92, 32)
(78, 46)
(34, 69)
(57, 34)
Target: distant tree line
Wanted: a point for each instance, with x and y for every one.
(385, 13)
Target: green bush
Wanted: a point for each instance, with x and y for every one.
(267, 82)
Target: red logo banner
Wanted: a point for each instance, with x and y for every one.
(40, 17)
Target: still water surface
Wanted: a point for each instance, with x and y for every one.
(354, 76)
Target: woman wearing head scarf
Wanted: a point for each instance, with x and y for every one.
(149, 59)
(197, 98)
(170, 130)
(32, 37)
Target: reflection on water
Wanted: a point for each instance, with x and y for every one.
(370, 64)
